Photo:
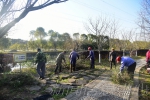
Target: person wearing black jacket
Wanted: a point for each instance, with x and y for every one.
(112, 58)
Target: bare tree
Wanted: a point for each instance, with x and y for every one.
(113, 34)
(128, 41)
(99, 28)
(12, 11)
(125, 43)
(144, 21)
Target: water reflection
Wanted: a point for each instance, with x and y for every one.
(19, 66)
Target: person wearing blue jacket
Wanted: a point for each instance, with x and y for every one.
(126, 62)
(92, 58)
(73, 58)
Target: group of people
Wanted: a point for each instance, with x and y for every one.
(128, 62)
(41, 60)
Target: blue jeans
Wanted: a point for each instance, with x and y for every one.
(41, 69)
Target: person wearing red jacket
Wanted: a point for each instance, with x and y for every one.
(148, 56)
(148, 61)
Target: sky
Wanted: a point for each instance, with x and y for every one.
(70, 16)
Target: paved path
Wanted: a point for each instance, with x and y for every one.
(103, 89)
(135, 88)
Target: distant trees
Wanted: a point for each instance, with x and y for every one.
(12, 11)
(76, 40)
(66, 42)
(4, 43)
(54, 40)
(40, 33)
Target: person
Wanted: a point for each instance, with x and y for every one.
(147, 58)
(112, 58)
(60, 57)
(73, 57)
(148, 61)
(127, 62)
(92, 58)
(40, 60)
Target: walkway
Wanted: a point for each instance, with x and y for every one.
(103, 89)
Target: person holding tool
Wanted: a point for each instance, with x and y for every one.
(60, 57)
(92, 58)
(73, 58)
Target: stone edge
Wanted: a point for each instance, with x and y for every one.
(135, 88)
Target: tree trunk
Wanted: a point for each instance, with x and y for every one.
(6, 28)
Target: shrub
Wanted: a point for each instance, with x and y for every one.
(122, 79)
(14, 80)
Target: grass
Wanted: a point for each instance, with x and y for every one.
(13, 84)
(144, 79)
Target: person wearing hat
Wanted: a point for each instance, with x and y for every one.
(60, 57)
(40, 60)
(73, 58)
(126, 62)
(112, 58)
(92, 58)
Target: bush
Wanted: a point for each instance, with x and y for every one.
(122, 79)
(14, 80)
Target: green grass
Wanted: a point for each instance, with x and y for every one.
(144, 79)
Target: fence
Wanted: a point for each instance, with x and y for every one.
(6, 60)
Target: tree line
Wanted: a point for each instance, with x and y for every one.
(53, 40)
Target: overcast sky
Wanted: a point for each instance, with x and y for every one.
(71, 15)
